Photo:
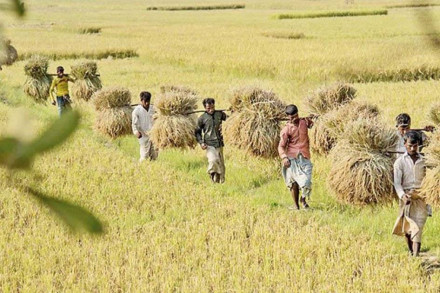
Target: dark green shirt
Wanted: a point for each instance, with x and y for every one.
(209, 129)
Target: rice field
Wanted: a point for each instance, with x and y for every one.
(167, 228)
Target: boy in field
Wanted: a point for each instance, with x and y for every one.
(209, 136)
(294, 152)
(142, 122)
(60, 84)
(409, 171)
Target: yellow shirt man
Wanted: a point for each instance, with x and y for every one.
(60, 85)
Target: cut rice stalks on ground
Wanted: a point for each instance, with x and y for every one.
(255, 123)
(86, 80)
(174, 127)
(37, 82)
(361, 171)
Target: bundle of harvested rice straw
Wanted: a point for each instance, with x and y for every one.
(255, 123)
(434, 114)
(113, 111)
(174, 127)
(431, 183)
(87, 82)
(362, 171)
(8, 54)
(38, 82)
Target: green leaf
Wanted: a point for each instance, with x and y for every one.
(76, 217)
(9, 154)
(57, 133)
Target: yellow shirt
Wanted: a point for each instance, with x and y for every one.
(61, 85)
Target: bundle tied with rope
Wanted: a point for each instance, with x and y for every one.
(255, 122)
(175, 122)
(327, 100)
(87, 81)
(361, 169)
(113, 108)
(37, 84)
(431, 183)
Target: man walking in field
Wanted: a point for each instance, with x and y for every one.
(142, 122)
(409, 171)
(209, 136)
(60, 84)
(403, 125)
(295, 155)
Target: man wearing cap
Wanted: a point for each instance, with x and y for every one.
(60, 84)
(409, 171)
(294, 152)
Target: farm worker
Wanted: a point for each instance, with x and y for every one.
(403, 125)
(209, 136)
(142, 122)
(409, 171)
(61, 87)
(294, 152)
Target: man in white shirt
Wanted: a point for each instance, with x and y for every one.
(409, 171)
(142, 122)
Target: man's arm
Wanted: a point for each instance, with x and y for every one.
(398, 174)
(134, 124)
(52, 88)
(224, 116)
(309, 122)
(70, 79)
(199, 130)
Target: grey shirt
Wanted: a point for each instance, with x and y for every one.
(209, 130)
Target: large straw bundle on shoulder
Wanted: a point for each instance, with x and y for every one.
(113, 111)
(254, 125)
(114, 122)
(434, 114)
(330, 126)
(431, 186)
(37, 82)
(8, 54)
(329, 98)
(174, 127)
(431, 183)
(361, 172)
(432, 151)
(87, 82)
(111, 97)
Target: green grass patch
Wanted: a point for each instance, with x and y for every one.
(332, 14)
(284, 35)
(205, 7)
(413, 5)
(423, 72)
(89, 30)
(111, 53)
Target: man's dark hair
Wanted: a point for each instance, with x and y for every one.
(413, 137)
(208, 101)
(291, 109)
(60, 69)
(403, 119)
(145, 96)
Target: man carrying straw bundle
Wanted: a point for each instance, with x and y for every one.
(61, 84)
(403, 125)
(142, 122)
(409, 171)
(295, 154)
(209, 136)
